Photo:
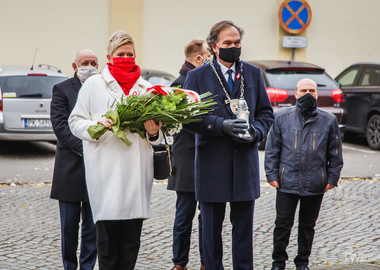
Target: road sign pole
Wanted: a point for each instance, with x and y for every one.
(294, 17)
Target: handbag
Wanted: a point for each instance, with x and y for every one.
(163, 161)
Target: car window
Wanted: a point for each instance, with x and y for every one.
(287, 79)
(348, 77)
(370, 77)
(159, 81)
(28, 86)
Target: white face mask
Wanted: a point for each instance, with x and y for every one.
(85, 72)
(205, 61)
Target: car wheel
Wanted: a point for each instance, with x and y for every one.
(373, 132)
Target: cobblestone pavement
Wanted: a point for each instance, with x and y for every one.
(347, 230)
(30, 162)
(26, 162)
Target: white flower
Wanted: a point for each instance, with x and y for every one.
(175, 130)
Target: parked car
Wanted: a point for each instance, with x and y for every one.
(157, 77)
(25, 96)
(360, 84)
(281, 77)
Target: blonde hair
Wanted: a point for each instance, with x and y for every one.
(118, 39)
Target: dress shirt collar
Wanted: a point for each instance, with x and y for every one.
(224, 69)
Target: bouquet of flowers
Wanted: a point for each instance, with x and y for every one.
(172, 106)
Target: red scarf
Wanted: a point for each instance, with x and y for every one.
(125, 71)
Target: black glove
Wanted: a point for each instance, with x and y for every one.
(233, 127)
(251, 139)
(253, 133)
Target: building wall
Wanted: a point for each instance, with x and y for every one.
(341, 31)
(57, 28)
(168, 31)
(128, 16)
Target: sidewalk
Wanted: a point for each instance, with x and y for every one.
(347, 232)
(353, 266)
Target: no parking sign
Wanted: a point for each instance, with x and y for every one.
(294, 16)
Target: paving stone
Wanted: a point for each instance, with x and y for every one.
(347, 230)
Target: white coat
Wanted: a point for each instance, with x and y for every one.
(119, 177)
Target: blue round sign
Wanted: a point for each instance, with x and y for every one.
(294, 16)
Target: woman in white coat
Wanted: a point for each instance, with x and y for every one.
(119, 177)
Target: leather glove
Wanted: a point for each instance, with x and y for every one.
(253, 133)
(251, 139)
(233, 127)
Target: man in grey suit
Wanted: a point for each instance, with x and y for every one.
(69, 186)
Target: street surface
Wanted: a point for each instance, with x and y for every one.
(347, 230)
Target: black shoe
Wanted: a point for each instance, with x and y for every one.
(277, 268)
(303, 267)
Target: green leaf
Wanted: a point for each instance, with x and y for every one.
(132, 111)
(96, 131)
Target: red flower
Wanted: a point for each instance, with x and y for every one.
(157, 89)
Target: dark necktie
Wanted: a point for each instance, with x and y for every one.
(230, 81)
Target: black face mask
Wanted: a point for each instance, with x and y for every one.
(230, 55)
(307, 104)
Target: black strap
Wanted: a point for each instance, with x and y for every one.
(169, 154)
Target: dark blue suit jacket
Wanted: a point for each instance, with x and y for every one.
(69, 176)
(224, 169)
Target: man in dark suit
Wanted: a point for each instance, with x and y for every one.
(196, 52)
(69, 186)
(226, 141)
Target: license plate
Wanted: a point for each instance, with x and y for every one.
(37, 123)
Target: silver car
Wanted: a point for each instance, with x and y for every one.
(25, 96)
(157, 77)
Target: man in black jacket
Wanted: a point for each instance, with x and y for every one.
(69, 185)
(196, 52)
(303, 159)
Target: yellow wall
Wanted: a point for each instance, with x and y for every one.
(341, 31)
(127, 15)
(58, 28)
(167, 32)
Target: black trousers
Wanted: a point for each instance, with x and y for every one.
(186, 207)
(286, 205)
(118, 243)
(70, 213)
(241, 217)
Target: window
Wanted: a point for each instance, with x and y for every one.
(348, 78)
(156, 80)
(29, 86)
(370, 77)
(288, 79)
